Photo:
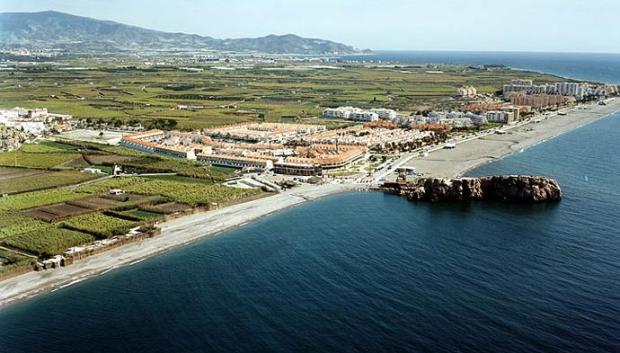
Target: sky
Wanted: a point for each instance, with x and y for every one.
(472, 25)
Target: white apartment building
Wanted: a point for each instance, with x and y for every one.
(383, 113)
(338, 113)
(467, 91)
(363, 115)
(476, 119)
(573, 89)
(351, 113)
(457, 119)
(528, 89)
(460, 122)
(500, 117)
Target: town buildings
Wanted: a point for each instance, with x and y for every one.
(279, 147)
(455, 119)
(376, 137)
(172, 143)
(500, 116)
(578, 90)
(387, 114)
(539, 101)
(35, 121)
(467, 91)
(262, 132)
(12, 139)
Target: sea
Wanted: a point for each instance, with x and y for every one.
(370, 272)
(595, 67)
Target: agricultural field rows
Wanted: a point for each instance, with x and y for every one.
(176, 189)
(21, 231)
(43, 181)
(37, 237)
(264, 93)
(38, 160)
(99, 225)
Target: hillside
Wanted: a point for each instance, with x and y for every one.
(51, 29)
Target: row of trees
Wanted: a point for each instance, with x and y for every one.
(159, 123)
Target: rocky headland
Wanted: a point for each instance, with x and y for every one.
(509, 188)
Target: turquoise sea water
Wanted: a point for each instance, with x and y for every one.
(368, 272)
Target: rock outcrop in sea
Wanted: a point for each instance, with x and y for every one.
(509, 188)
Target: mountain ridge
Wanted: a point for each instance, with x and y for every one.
(58, 30)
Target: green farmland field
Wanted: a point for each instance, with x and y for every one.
(263, 93)
(99, 225)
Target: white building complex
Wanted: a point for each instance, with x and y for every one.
(383, 113)
(499, 116)
(467, 91)
(455, 119)
(35, 121)
(358, 114)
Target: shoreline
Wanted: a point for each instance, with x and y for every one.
(178, 232)
(175, 233)
(471, 154)
(465, 171)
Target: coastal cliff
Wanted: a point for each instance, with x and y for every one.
(510, 188)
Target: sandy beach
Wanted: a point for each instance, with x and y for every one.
(451, 163)
(177, 232)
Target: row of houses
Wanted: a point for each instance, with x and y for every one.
(175, 144)
(235, 161)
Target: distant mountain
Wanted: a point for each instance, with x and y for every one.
(51, 29)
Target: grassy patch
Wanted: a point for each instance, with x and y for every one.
(48, 147)
(51, 241)
(157, 164)
(10, 260)
(43, 181)
(45, 160)
(36, 237)
(99, 225)
(37, 198)
(141, 214)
